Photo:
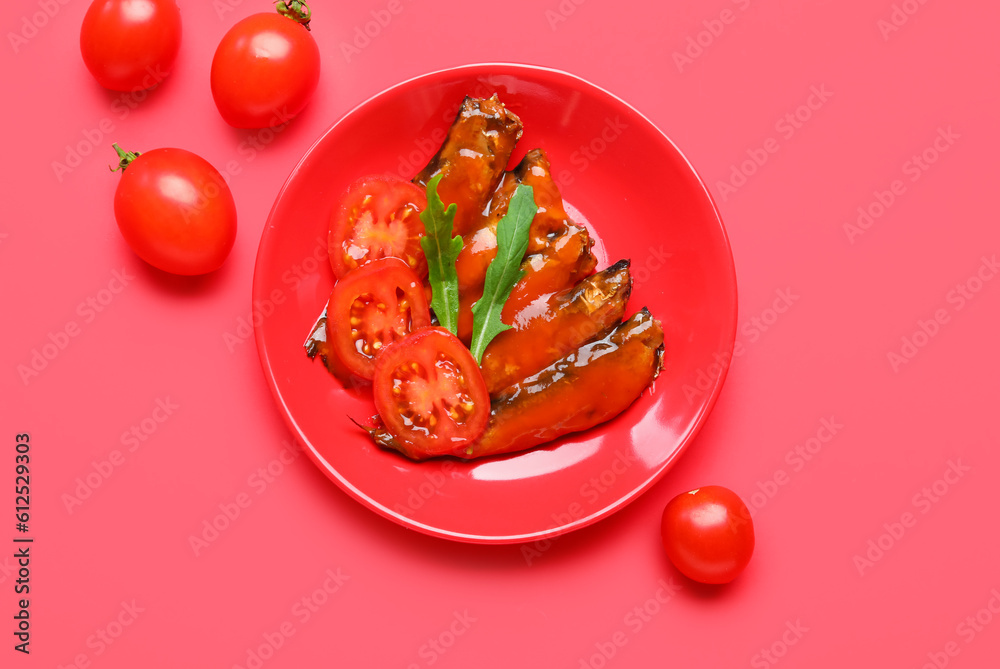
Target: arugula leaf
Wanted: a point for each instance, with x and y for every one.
(504, 271)
(441, 250)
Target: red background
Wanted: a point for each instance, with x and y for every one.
(808, 594)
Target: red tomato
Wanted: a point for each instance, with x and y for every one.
(370, 308)
(130, 45)
(264, 71)
(708, 534)
(378, 217)
(175, 210)
(430, 393)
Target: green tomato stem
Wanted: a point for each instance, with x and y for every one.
(125, 158)
(296, 10)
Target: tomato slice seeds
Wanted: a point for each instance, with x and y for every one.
(430, 393)
(370, 308)
(378, 217)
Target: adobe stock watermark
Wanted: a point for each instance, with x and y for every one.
(591, 491)
(434, 481)
(640, 273)
(262, 309)
(790, 636)
(98, 135)
(436, 646)
(898, 17)
(410, 162)
(122, 106)
(796, 458)
(645, 270)
(232, 509)
(251, 145)
(636, 620)
(787, 126)
(57, 341)
(580, 158)
(696, 44)
(585, 154)
(914, 167)
(957, 299)
(7, 569)
(896, 529)
(304, 609)
(32, 23)
(971, 627)
(132, 439)
(753, 328)
(364, 35)
(223, 7)
(106, 635)
(562, 12)
(247, 151)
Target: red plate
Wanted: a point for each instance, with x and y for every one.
(641, 199)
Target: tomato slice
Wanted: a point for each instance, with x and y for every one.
(378, 217)
(430, 393)
(370, 308)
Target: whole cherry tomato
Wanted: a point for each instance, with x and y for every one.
(708, 534)
(266, 68)
(175, 210)
(130, 45)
